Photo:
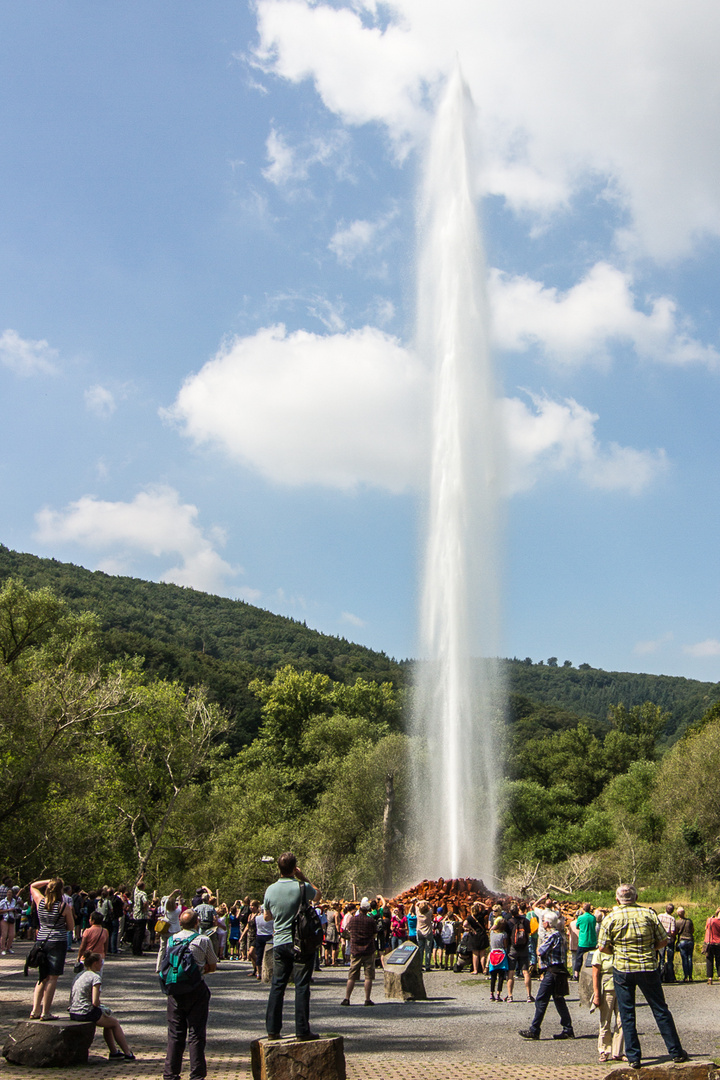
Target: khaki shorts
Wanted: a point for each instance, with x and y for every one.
(366, 962)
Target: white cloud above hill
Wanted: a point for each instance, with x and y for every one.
(566, 93)
(155, 522)
(350, 409)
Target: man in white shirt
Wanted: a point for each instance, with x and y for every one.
(187, 1013)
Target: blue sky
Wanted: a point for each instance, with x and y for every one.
(207, 258)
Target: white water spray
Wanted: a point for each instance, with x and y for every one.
(455, 805)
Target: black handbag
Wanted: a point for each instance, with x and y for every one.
(37, 957)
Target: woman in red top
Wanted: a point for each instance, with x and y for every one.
(712, 945)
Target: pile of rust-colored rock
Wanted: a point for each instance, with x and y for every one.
(459, 894)
(455, 894)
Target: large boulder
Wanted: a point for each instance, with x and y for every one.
(49, 1043)
(404, 982)
(291, 1059)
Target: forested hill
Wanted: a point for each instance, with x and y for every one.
(587, 691)
(195, 638)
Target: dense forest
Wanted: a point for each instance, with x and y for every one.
(223, 644)
(138, 717)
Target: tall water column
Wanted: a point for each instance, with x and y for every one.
(456, 694)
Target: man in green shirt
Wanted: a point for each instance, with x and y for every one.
(586, 926)
(633, 935)
(281, 903)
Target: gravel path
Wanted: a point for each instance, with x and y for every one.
(449, 1035)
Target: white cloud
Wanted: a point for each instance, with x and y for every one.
(709, 647)
(154, 523)
(340, 409)
(26, 357)
(100, 400)
(559, 436)
(289, 165)
(359, 237)
(351, 409)
(583, 322)
(566, 93)
(647, 648)
(354, 620)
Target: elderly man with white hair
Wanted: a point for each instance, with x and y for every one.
(552, 955)
(633, 935)
(362, 928)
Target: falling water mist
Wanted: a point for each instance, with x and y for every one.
(457, 692)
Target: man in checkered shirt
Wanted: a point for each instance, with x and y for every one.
(633, 935)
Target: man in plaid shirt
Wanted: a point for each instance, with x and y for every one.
(362, 929)
(633, 935)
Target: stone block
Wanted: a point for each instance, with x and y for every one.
(689, 1071)
(290, 1059)
(49, 1043)
(267, 965)
(405, 982)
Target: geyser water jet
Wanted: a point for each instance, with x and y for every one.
(457, 693)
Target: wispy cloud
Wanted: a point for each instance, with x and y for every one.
(290, 165)
(27, 357)
(360, 237)
(354, 620)
(647, 648)
(709, 647)
(100, 401)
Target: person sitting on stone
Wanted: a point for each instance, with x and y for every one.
(85, 1007)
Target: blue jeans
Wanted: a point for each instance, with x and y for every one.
(649, 985)
(686, 946)
(114, 932)
(425, 945)
(283, 965)
(549, 989)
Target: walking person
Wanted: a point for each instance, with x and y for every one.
(281, 904)
(552, 954)
(633, 936)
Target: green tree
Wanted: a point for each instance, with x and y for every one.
(635, 734)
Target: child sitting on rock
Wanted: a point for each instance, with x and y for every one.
(85, 1007)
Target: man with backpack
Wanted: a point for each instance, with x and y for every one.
(188, 958)
(519, 952)
(282, 903)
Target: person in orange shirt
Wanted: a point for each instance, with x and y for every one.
(95, 939)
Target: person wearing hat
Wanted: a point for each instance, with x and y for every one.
(362, 929)
(633, 936)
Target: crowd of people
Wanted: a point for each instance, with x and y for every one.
(627, 948)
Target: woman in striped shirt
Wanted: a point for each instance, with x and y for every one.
(56, 919)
